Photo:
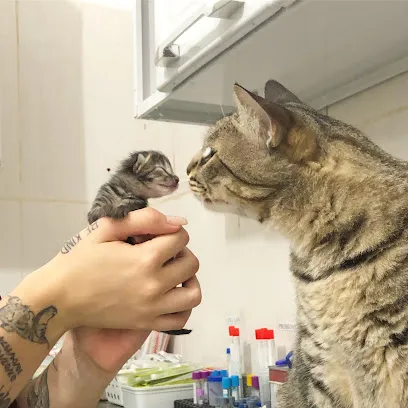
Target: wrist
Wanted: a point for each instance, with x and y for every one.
(79, 381)
(43, 293)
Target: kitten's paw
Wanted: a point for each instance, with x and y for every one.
(120, 212)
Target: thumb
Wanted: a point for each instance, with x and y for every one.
(147, 221)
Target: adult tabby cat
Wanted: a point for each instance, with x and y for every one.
(142, 175)
(343, 203)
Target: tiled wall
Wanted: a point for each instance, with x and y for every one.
(66, 95)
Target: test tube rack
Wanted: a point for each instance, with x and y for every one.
(188, 403)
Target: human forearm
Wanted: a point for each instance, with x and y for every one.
(73, 379)
(29, 326)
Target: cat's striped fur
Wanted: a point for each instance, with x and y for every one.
(343, 203)
(142, 175)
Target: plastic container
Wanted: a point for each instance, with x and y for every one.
(114, 393)
(155, 397)
(214, 388)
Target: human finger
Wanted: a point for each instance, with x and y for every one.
(173, 321)
(165, 247)
(179, 270)
(140, 222)
(182, 298)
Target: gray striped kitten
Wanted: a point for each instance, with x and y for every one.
(343, 203)
(142, 175)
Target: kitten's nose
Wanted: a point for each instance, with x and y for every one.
(176, 179)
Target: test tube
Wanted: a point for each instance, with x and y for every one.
(196, 385)
(255, 386)
(235, 387)
(229, 360)
(260, 335)
(249, 384)
(200, 396)
(204, 376)
(235, 350)
(226, 387)
(270, 345)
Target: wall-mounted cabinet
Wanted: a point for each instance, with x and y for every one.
(188, 54)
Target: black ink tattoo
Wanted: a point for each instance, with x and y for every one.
(77, 238)
(70, 243)
(92, 227)
(38, 395)
(8, 360)
(5, 400)
(18, 318)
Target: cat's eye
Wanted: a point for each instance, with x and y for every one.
(207, 154)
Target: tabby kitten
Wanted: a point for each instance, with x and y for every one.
(142, 175)
(343, 203)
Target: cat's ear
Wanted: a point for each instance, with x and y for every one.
(275, 92)
(275, 126)
(141, 160)
(262, 118)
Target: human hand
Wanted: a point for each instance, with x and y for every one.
(100, 281)
(107, 349)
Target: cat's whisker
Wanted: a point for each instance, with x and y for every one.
(222, 110)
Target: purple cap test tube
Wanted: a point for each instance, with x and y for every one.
(196, 376)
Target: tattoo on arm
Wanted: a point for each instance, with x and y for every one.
(5, 400)
(38, 395)
(67, 247)
(8, 360)
(18, 318)
(91, 227)
(70, 243)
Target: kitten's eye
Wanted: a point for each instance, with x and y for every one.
(158, 173)
(207, 154)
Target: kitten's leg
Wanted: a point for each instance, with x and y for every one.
(126, 206)
(97, 212)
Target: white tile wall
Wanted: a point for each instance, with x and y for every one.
(51, 102)
(10, 163)
(46, 226)
(10, 245)
(382, 113)
(76, 120)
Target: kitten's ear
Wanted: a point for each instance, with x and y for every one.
(277, 93)
(273, 119)
(141, 160)
(275, 125)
